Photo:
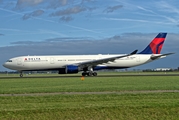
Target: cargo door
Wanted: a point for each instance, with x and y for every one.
(137, 58)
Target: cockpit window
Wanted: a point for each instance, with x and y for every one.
(9, 61)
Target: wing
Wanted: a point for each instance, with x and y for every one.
(101, 61)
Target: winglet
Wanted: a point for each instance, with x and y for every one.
(156, 45)
(134, 52)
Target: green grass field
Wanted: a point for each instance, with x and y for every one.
(24, 98)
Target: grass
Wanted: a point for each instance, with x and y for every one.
(112, 106)
(90, 84)
(130, 106)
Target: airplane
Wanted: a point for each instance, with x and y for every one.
(69, 64)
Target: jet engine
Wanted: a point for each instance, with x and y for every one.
(69, 69)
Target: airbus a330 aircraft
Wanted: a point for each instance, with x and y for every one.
(67, 64)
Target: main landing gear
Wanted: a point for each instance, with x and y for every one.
(90, 73)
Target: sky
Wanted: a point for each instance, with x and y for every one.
(58, 27)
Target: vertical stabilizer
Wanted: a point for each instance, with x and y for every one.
(156, 45)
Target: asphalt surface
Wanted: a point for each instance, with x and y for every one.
(102, 75)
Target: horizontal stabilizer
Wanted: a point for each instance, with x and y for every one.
(153, 57)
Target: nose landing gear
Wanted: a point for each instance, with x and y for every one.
(21, 74)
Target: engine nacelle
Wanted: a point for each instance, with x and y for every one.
(62, 71)
(72, 69)
(69, 69)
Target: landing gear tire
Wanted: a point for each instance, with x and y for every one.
(89, 74)
(84, 74)
(21, 75)
(95, 74)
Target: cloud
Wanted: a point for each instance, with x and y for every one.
(113, 8)
(52, 41)
(69, 11)
(69, 45)
(116, 37)
(166, 7)
(66, 18)
(26, 3)
(139, 20)
(57, 3)
(24, 42)
(120, 42)
(146, 10)
(52, 4)
(33, 14)
(87, 0)
(170, 19)
(75, 8)
(62, 39)
(84, 29)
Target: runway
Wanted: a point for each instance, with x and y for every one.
(99, 75)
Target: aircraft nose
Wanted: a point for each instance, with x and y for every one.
(5, 64)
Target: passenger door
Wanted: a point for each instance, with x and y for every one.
(52, 60)
(19, 61)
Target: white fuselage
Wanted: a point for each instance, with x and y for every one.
(25, 63)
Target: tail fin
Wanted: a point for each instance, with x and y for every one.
(156, 45)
